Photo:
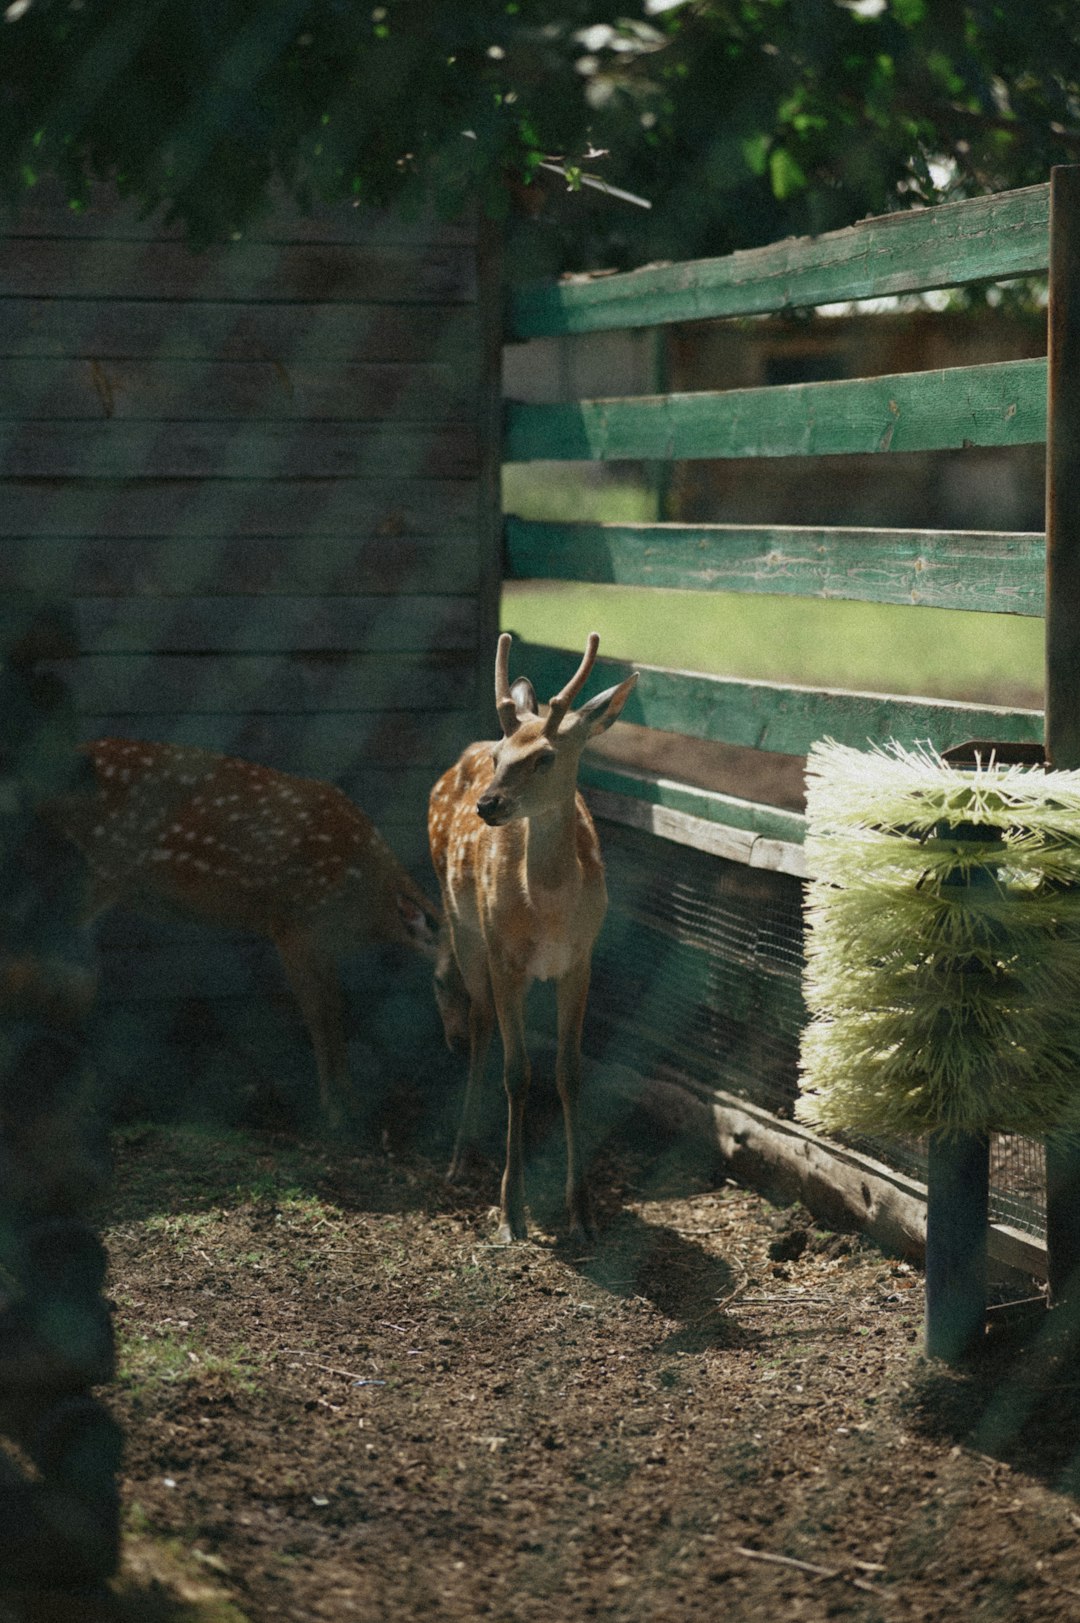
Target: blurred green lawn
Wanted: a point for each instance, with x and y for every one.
(990, 658)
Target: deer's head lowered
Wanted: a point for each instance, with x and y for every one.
(536, 760)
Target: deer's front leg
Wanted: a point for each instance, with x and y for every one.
(573, 991)
(509, 990)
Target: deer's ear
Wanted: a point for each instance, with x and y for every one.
(598, 715)
(417, 924)
(524, 696)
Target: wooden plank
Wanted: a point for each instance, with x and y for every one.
(1063, 478)
(1063, 633)
(1001, 403)
(981, 238)
(274, 624)
(200, 391)
(752, 818)
(957, 1208)
(48, 268)
(702, 834)
(364, 508)
(305, 684)
(1000, 572)
(235, 450)
(322, 744)
(771, 716)
(841, 1186)
(181, 566)
(44, 212)
(292, 333)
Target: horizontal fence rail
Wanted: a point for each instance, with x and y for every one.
(785, 719)
(986, 238)
(986, 570)
(1000, 403)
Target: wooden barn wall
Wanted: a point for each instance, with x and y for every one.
(265, 478)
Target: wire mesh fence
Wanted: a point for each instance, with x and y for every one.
(698, 972)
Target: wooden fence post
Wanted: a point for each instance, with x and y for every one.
(957, 1215)
(958, 1191)
(1063, 624)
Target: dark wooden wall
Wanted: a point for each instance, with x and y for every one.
(266, 478)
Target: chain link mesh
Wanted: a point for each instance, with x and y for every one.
(698, 971)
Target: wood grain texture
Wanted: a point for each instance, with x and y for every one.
(291, 332)
(1063, 478)
(327, 743)
(699, 805)
(198, 391)
(771, 716)
(244, 448)
(998, 572)
(274, 624)
(301, 684)
(989, 237)
(375, 507)
(183, 566)
(49, 267)
(1001, 403)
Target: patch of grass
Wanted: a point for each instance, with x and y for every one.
(553, 491)
(161, 1581)
(937, 653)
(148, 1360)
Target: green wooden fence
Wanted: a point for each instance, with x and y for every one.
(998, 404)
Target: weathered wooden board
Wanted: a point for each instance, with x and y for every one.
(1001, 403)
(301, 683)
(275, 624)
(43, 212)
(287, 332)
(999, 572)
(53, 267)
(236, 449)
(770, 716)
(276, 388)
(718, 839)
(373, 507)
(987, 237)
(326, 743)
(757, 821)
(179, 566)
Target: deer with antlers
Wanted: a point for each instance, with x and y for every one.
(174, 830)
(522, 882)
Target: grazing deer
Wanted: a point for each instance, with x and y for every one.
(522, 882)
(175, 830)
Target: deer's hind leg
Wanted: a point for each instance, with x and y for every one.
(313, 975)
(573, 992)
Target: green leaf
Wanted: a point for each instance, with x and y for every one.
(755, 151)
(785, 176)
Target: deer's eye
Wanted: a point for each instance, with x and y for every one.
(544, 762)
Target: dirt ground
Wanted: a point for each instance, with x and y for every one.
(343, 1401)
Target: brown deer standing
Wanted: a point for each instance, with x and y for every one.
(522, 881)
(176, 830)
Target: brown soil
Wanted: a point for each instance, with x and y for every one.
(343, 1401)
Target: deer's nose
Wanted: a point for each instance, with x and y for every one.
(489, 807)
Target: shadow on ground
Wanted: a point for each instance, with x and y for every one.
(1018, 1400)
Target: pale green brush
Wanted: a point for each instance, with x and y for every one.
(942, 968)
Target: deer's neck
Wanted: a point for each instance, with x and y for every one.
(551, 849)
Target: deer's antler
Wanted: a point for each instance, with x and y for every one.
(509, 719)
(562, 701)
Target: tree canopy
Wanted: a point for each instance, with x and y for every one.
(738, 120)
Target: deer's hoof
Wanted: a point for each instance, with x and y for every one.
(464, 1164)
(511, 1229)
